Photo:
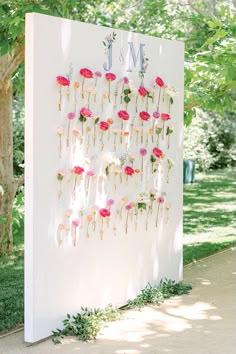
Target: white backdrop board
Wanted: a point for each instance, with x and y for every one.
(103, 155)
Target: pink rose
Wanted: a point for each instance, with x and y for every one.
(104, 126)
(110, 202)
(71, 115)
(156, 115)
(144, 115)
(159, 81)
(165, 116)
(157, 152)
(88, 74)
(63, 81)
(75, 222)
(110, 76)
(123, 115)
(128, 207)
(126, 80)
(142, 91)
(78, 170)
(143, 152)
(85, 112)
(104, 212)
(90, 173)
(129, 171)
(98, 74)
(160, 200)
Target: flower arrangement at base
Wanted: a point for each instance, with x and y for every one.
(62, 82)
(104, 213)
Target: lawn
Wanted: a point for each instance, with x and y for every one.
(209, 226)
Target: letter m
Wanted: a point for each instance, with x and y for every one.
(133, 58)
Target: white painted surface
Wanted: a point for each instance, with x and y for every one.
(58, 280)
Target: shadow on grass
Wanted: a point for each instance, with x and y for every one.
(209, 202)
(195, 251)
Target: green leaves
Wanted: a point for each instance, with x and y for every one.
(82, 119)
(86, 324)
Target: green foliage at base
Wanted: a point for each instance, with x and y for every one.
(154, 295)
(86, 324)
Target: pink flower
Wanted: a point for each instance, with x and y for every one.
(98, 74)
(165, 116)
(71, 115)
(88, 74)
(143, 152)
(159, 81)
(76, 131)
(63, 81)
(160, 200)
(142, 91)
(75, 222)
(90, 173)
(78, 170)
(144, 115)
(126, 80)
(157, 152)
(85, 112)
(128, 207)
(110, 76)
(156, 115)
(104, 212)
(123, 115)
(110, 202)
(104, 126)
(60, 130)
(129, 171)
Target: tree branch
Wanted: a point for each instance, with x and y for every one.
(12, 62)
(190, 106)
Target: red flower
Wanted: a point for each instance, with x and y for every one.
(104, 212)
(86, 112)
(104, 126)
(157, 152)
(142, 91)
(144, 115)
(123, 115)
(63, 81)
(165, 116)
(110, 76)
(88, 74)
(129, 171)
(159, 81)
(78, 170)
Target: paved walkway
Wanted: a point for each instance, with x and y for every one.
(203, 322)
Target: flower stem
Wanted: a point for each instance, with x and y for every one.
(68, 135)
(157, 214)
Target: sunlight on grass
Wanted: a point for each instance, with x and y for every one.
(209, 214)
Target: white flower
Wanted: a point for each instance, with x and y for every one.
(172, 91)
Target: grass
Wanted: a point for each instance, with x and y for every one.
(209, 214)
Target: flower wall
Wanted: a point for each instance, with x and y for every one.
(103, 167)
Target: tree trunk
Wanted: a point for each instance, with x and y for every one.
(7, 181)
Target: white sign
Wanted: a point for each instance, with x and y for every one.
(103, 153)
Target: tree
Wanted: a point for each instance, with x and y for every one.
(12, 14)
